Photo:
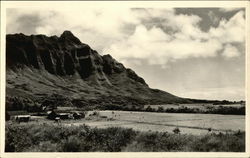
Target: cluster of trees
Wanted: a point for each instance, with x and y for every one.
(224, 102)
(182, 109)
(229, 110)
(19, 103)
(36, 105)
(212, 110)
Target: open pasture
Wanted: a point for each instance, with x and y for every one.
(187, 123)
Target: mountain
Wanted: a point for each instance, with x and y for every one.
(39, 68)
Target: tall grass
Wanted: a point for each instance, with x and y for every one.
(57, 138)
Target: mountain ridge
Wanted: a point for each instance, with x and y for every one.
(42, 66)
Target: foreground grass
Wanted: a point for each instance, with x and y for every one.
(54, 138)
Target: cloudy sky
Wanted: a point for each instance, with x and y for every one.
(189, 52)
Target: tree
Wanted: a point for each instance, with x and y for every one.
(160, 109)
(176, 130)
(149, 109)
(133, 108)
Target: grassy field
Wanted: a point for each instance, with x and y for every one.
(162, 122)
(47, 137)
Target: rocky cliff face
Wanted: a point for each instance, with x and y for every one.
(39, 66)
(64, 55)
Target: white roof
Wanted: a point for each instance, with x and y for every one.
(23, 115)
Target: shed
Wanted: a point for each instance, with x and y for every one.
(63, 116)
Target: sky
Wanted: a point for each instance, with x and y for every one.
(189, 52)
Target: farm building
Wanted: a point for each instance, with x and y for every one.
(63, 116)
(51, 115)
(22, 118)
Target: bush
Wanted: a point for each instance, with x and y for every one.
(20, 103)
(72, 144)
(157, 141)
(45, 146)
(16, 141)
(149, 109)
(7, 116)
(54, 138)
(96, 113)
(219, 142)
(176, 130)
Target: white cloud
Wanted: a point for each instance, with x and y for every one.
(230, 51)
(187, 41)
(125, 33)
(158, 48)
(213, 17)
(230, 31)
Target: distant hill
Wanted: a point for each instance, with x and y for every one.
(41, 68)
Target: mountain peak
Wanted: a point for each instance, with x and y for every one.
(68, 35)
